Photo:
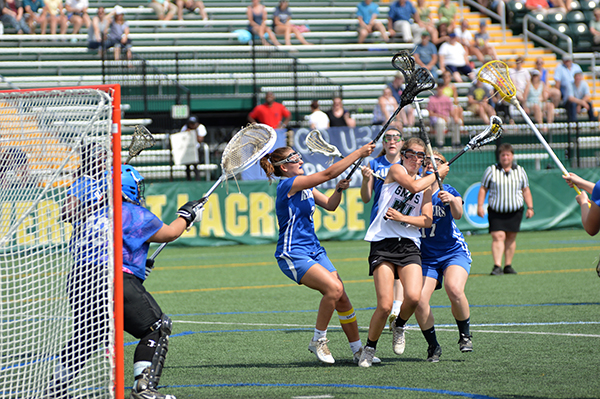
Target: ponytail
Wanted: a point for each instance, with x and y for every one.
(266, 162)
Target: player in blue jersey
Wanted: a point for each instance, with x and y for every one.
(371, 187)
(144, 319)
(404, 207)
(299, 253)
(445, 256)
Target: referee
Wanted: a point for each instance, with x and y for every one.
(508, 185)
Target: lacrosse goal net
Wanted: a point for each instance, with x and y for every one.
(60, 243)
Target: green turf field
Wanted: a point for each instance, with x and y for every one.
(241, 328)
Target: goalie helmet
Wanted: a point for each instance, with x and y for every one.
(132, 185)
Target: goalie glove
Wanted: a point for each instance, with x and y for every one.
(191, 211)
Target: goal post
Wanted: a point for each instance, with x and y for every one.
(61, 295)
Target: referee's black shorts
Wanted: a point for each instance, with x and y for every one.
(509, 222)
(140, 309)
(399, 252)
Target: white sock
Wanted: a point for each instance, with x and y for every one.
(355, 346)
(319, 334)
(396, 307)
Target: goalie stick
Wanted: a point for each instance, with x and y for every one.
(141, 140)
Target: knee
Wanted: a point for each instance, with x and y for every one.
(335, 290)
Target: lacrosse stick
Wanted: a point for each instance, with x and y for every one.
(244, 149)
(497, 74)
(491, 133)
(316, 143)
(419, 81)
(405, 63)
(141, 140)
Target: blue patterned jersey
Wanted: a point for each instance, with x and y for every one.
(295, 218)
(380, 166)
(139, 224)
(596, 193)
(443, 237)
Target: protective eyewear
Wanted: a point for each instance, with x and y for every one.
(392, 137)
(438, 161)
(410, 154)
(294, 157)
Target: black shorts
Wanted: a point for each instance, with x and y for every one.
(399, 252)
(508, 222)
(140, 309)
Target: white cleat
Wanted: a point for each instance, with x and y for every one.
(398, 342)
(320, 349)
(367, 357)
(358, 354)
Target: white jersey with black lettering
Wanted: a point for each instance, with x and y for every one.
(393, 195)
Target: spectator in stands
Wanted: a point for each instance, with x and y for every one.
(385, 107)
(449, 90)
(453, 57)
(36, 12)
(447, 13)
(257, 23)
(12, 13)
(482, 44)
(282, 24)
(553, 92)
(97, 33)
(440, 116)
(194, 6)
(426, 54)
(579, 99)
(496, 5)
(594, 26)
(406, 116)
(425, 21)
(56, 16)
(338, 115)
(564, 77)
(521, 78)
(367, 12)
(118, 34)
(478, 101)
(198, 130)
(403, 18)
(465, 36)
(442, 35)
(536, 100)
(77, 14)
(271, 113)
(537, 5)
(317, 119)
(164, 9)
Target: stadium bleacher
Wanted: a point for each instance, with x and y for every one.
(208, 58)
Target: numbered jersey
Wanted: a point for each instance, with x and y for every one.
(444, 237)
(393, 195)
(295, 218)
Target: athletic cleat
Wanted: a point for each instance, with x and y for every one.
(320, 349)
(465, 343)
(434, 353)
(359, 352)
(367, 357)
(398, 341)
(508, 269)
(497, 271)
(391, 320)
(149, 393)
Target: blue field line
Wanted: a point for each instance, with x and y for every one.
(372, 308)
(378, 387)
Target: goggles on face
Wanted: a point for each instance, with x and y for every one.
(294, 157)
(392, 137)
(410, 154)
(438, 161)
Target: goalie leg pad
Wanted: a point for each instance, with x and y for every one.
(153, 347)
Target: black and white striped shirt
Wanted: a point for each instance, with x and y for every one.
(505, 188)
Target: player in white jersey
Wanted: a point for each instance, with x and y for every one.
(299, 253)
(404, 207)
(371, 187)
(445, 256)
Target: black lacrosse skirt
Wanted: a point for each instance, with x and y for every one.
(509, 222)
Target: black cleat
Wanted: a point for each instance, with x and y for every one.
(497, 271)
(434, 353)
(465, 343)
(508, 269)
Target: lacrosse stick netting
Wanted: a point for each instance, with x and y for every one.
(491, 133)
(497, 74)
(141, 140)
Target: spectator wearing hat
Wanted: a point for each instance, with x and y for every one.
(564, 77)
(482, 44)
(536, 100)
(426, 54)
(521, 78)
(118, 33)
(195, 128)
(366, 13)
(453, 57)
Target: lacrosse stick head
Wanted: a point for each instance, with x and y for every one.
(420, 81)
(246, 147)
(491, 133)
(404, 62)
(497, 74)
(142, 139)
(316, 143)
